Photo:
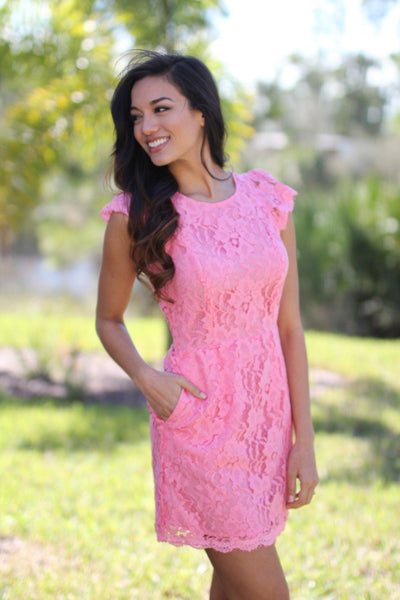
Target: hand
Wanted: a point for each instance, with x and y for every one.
(162, 390)
(301, 465)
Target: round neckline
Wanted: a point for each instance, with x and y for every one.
(236, 182)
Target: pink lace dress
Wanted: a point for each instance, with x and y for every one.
(220, 464)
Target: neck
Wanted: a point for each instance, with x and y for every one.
(194, 179)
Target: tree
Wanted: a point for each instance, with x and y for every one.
(169, 24)
(325, 99)
(58, 60)
(361, 106)
(54, 113)
(376, 10)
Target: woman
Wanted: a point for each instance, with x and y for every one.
(219, 251)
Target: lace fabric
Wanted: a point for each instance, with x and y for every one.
(220, 464)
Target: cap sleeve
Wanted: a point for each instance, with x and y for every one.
(119, 204)
(279, 196)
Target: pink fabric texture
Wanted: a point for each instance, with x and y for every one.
(119, 204)
(220, 464)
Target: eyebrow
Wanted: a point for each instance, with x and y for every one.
(155, 101)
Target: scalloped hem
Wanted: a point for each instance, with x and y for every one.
(224, 546)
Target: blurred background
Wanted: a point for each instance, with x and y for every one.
(311, 93)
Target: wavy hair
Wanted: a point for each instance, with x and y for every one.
(152, 216)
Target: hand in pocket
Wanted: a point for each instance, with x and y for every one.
(162, 390)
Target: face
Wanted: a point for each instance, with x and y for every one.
(164, 125)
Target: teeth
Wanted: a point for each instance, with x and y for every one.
(158, 142)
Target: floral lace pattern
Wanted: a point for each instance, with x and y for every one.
(220, 464)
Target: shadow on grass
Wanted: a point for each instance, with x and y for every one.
(48, 424)
(385, 458)
(378, 392)
(382, 463)
(358, 410)
(360, 415)
(333, 421)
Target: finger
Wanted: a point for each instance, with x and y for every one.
(310, 490)
(193, 389)
(297, 502)
(311, 494)
(304, 496)
(293, 503)
(291, 485)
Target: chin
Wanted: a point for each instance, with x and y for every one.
(159, 161)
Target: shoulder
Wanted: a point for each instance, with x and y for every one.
(278, 196)
(267, 183)
(119, 204)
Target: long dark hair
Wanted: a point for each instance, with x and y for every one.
(152, 216)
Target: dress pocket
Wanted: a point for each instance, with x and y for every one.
(177, 410)
(174, 417)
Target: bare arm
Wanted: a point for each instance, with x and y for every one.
(115, 284)
(117, 276)
(302, 460)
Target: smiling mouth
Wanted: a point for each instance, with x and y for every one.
(158, 144)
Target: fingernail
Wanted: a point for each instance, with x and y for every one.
(291, 498)
(203, 395)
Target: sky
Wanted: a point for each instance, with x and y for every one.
(258, 34)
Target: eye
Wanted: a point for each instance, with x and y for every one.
(134, 118)
(160, 109)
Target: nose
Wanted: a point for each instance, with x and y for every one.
(149, 124)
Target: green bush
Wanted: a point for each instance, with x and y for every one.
(349, 258)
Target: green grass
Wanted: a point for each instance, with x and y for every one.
(61, 333)
(355, 357)
(57, 327)
(77, 492)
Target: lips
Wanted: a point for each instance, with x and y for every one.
(157, 144)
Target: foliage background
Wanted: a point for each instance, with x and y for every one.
(76, 474)
(333, 134)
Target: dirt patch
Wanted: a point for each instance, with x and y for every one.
(20, 558)
(99, 380)
(322, 380)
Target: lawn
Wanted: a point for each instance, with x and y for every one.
(54, 333)
(76, 501)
